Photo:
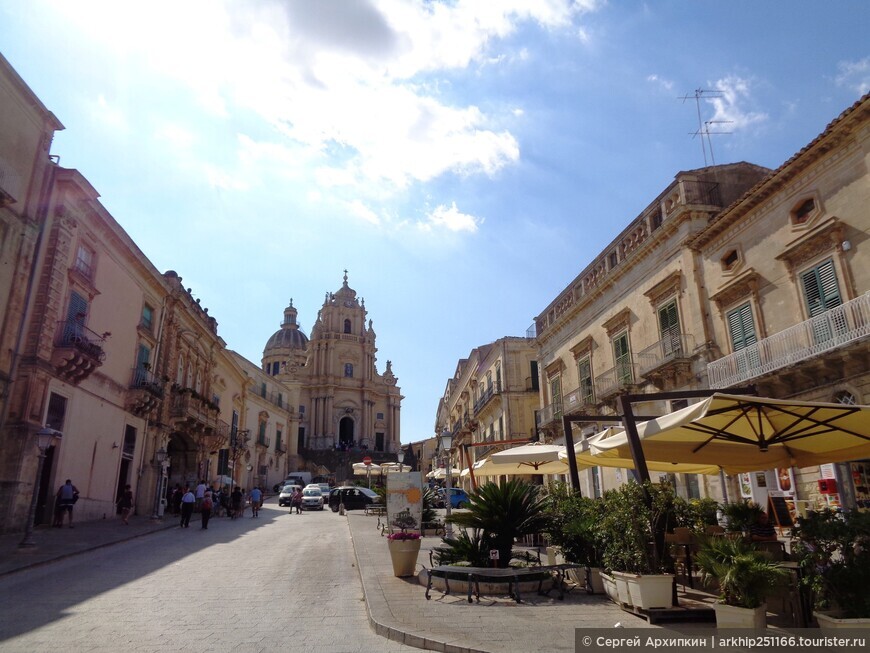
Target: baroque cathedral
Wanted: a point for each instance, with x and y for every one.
(342, 402)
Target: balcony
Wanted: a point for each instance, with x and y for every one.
(489, 393)
(834, 329)
(610, 383)
(264, 441)
(549, 413)
(78, 351)
(579, 400)
(192, 413)
(145, 392)
(281, 447)
(667, 361)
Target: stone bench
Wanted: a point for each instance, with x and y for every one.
(492, 576)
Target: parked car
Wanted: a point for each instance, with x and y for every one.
(286, 494)
(312, 498)
(353, 498)
(324, 487)
(458, 497)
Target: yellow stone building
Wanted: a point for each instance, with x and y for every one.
(491, 399)
(733, 275)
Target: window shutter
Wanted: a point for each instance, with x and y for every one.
(821, 290)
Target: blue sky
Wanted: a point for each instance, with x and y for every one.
(463, 160)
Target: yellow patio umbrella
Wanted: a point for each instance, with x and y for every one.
(533, 454)
(744, 433)
(586, 455)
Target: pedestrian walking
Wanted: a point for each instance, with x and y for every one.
(256, 501)
(200, 493)
(296, 501)
(236, 502)
(66, 497)
(125, 504)
(205, 512)
(177, 493)
(188, 501)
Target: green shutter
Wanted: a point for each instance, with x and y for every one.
(622, 356)
(669, 327)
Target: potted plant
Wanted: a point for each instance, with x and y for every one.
(740, 515)
(502, 513)
(404, 545)
(833, 550)
(631, 532)
(745, 577)
(574, 530)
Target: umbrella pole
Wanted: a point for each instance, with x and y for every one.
(572, 461)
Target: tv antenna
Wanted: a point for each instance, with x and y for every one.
(704, 126)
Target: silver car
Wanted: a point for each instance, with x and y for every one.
(312, 499)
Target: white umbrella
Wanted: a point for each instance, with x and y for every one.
(533, 454)
(395, 467)
(361, 469)
(225, 480)
(488, 467)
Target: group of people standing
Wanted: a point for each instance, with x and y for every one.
(211, 502)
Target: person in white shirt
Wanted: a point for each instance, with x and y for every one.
(188, 501)
(200, 493)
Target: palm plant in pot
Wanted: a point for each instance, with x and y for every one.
(745, 577)
(833, 550)
(502, 513)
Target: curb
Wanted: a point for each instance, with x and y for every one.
(402, 636)
(72, 554)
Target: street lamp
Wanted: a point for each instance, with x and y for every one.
(400, 456)
(160, 457)
(44, 438)
(446, 441)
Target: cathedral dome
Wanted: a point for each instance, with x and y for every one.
(287, 339)
(289, 336)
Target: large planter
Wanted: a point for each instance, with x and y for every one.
(403, 553)
(623, 594)
(830, 621)
(651, 590)
(730, 616)
(609, 583)
(595, 580)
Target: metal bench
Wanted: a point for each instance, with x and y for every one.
(371, 509)
(512, 576)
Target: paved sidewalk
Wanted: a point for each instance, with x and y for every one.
(58, 543)
(399, 610)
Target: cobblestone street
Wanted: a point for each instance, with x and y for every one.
(280, 582)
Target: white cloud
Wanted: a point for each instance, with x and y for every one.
(360, 210)
(661, 82)
(855, 75)
(339, 77)
(451, 219)
(730, 106)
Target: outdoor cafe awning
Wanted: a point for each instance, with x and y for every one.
(586, 454)
(742, 433)
(533, 454)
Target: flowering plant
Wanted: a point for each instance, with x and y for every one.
(394, 537)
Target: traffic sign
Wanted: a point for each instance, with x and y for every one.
(367, 460)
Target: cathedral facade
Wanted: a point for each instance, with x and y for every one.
(341, 401)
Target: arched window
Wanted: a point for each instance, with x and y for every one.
(348, 370)
(179, 375)
(347, 326)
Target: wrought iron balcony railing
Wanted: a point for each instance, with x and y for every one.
(831, 330)
(73, 334)
(677, 346)
(614, 380)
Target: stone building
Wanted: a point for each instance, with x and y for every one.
(491, 398)
(343, 401)
(127, 365)
(733, 275)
